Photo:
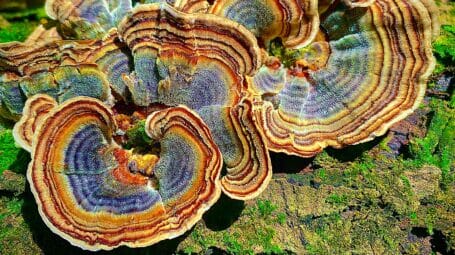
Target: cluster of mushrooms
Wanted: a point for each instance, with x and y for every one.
(201, 76)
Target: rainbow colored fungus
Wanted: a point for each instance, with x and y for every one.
(87, 19)
(368, 72)
(200, 60)
(168, 44)
(192, 6)
(244, 150)
(296, 22)
(42, 34)
(113, 59)
(35, 110)
(130, 114)
(51, 66)
(99, 196)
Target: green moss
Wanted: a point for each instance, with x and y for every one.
(13, 206)
(438, 146)
(265, 240)
(287, 56)
(369, 232)
(254, 232)
(30, 13)
(233, 245)
(202, 240)
(301, 179)
(337, 199)
(15, 235)
(11, 157)
(444, 46)
(265, 208)
(281, 218)
(439, 69)
(22, 24)
(17, 31)
(12, 183)
(137, 137)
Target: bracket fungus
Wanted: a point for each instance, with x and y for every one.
(99, 196)
(51, 66)
(217, 81)
(200, 60)
(163, 41)
(88, 19)
(296, 22)
(41, 34)
(35, 110)
(111, 57)
(369, 73)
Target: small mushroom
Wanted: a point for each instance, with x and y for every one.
(36, 108)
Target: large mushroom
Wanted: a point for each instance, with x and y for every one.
(200, 60)
(98, 195)
(365, 71)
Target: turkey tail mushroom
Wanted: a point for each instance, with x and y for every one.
(377, 63)
(97, 195)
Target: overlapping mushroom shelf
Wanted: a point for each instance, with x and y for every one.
(212, 84)
(98, 196)
(367, 72)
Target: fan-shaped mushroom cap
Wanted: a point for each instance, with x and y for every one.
(113, 58)
(11, 97)
(242, 144)
(296, 22)
(88, 19)
(434, 16)
(35, 110)
(204, 45)
(24, 58)
(98, 196)
(62, 83)
(200, 60)
(206, 88)
(57, 68)
(379, 59)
